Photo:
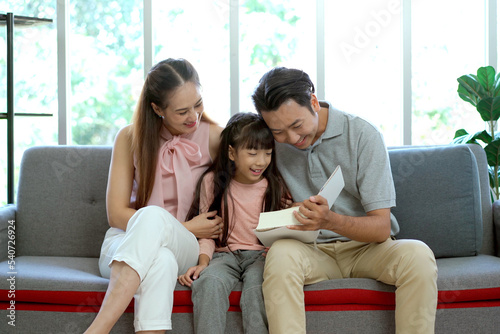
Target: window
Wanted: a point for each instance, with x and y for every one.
(274, 33)
(199, 32)
(448, 41)
(106, 62)
(35, 84)
(362, 68)
(364, 63)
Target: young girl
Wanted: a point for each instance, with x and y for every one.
(242, 182)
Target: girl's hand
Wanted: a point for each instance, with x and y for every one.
(191, 274)
(286, 202)
(206, 225)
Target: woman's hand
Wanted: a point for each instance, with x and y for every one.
(191, 274)
(206, 225)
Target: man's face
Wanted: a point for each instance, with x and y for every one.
(293, 124)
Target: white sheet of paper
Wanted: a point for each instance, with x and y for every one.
(268, 237)
(273, 219)
(272, 225)
(333, 186)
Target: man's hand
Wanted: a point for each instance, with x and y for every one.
(313, 214)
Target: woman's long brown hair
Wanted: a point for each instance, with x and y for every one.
(162, 80)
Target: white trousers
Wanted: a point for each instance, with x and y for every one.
(159, 248)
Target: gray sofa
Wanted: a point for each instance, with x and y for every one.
(50, 242)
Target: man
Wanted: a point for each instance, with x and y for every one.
(355, 237)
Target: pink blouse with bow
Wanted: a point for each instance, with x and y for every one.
(181, 161)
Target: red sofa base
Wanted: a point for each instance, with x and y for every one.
(344, 300)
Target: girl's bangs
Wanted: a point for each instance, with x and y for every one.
(257, 137)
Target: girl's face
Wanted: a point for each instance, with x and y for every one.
(183, 114)
(250, 164)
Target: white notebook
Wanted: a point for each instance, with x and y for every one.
(273, 225)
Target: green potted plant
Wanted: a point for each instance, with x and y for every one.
(483, 92)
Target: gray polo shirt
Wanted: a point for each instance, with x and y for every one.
(359, 148)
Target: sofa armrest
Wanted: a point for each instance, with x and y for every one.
(496, 225)
(7, 217)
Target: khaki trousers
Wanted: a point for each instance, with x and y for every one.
(407, 264)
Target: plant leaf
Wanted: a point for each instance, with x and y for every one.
(462, 137)
(466, 95)
(489, 108)
(497, 89)
(484, 136)
(470, 90)
(497, 85)
(460, 133)
(465, 139)
(486, 77)
(493, 153)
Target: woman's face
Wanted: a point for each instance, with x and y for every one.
(183, 114)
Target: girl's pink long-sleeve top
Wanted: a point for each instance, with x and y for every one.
(245, 206)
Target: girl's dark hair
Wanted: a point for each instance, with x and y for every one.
(243, 131)
(280, 85)
(162, 80)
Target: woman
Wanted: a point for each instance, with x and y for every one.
(155, 164)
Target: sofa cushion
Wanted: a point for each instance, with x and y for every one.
(480, 272)
(61, 204)
(438, 198)
(74, 285)
(56, 273)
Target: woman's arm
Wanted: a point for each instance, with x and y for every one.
(206, 224)
(120, 181)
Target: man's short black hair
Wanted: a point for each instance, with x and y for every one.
(280, 85)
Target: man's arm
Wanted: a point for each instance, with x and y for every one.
(374, 227)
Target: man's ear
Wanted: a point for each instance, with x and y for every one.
(315, 103)
(231, 153)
